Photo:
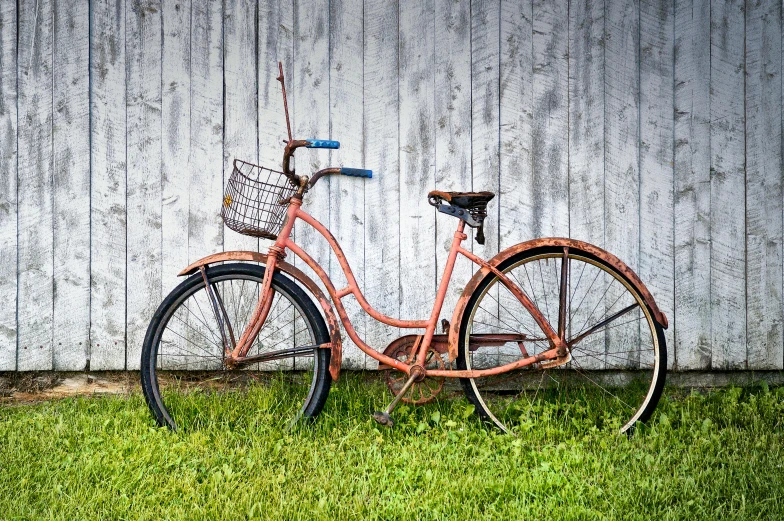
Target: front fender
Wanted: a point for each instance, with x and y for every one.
(590, 249)
(335, 340)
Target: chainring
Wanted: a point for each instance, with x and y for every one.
(422, 392)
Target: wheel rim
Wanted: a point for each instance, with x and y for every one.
(613, 376)
(191, 384)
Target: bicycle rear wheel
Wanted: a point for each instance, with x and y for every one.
(185, 380)
(618, 354)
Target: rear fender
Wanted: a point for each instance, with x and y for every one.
(336, 344)
(590, 249)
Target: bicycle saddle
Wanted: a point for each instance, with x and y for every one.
(464, 200)
(471, 207)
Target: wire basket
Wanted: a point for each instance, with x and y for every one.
(253, 200)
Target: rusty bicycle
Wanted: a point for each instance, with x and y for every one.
(549, 320)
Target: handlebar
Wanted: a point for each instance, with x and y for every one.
(356, 172)
(322, 143)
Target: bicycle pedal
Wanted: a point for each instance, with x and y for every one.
(384, 419)
(557, 362)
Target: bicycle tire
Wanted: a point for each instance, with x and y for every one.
(153, 363)
(558, 390)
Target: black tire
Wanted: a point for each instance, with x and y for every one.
(187, 386)
(626, 382)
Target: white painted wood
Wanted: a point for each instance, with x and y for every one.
(417, 159)
(175, 139)
(240, 79)
(550, 131)
(276, 43)
(143, 83)
(763, 184)
(36, 247)
(586, 154)
(452, 133)
(381, 145)
(108, 188)
(691, 320)
(728, 223)
(515, 199)
(485, 137)
(485, 122)
(205, 227)
(347, 193)
(621, 146)
(311, 120)
(586, 121)
(71, 179)
(8, 180)
(648, 97)
(656, 156)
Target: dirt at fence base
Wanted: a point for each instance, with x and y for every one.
(42, 386)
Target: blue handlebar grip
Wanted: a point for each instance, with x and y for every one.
(323, 143)
(357, 172)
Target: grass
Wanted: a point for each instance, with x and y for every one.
(713, 455)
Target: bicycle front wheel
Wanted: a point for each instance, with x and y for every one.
(185, 379)
(618, 355)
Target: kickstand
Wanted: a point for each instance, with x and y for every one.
(383, 417)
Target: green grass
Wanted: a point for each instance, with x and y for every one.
(716, 455)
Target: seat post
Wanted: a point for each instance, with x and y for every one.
(459, 237)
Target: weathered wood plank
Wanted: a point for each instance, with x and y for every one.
(205, 227)
(656, 155)
(417, 161)
(276, 43)
(71, 142)
(763, 184)
(346, 120)
(485, 132)
(143, 261)
(621, 145)
(452, 132)
(36, 249)
(550, 131)
(8, 186)
(381, 145)
(485, 122)
(240, 81)
(240, 140)
(586, 121)
(311, 120)
(586, 151)
(175, 139)
(691, 320)
(515, 199)
(108, 192)
(728, 223)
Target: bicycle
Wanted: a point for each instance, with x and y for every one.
(525, 330)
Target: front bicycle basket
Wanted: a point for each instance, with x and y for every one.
(255, 200)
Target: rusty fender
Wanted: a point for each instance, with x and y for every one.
(336, 344)
(555, 242)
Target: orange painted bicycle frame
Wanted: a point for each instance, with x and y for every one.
(284, 242)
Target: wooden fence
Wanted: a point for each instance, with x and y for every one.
(650, 128)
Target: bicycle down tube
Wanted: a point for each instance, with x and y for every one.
(283, 242)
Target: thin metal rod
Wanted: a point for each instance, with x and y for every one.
(285, 103)
(277, 355)
(215, 309)
(562, 296)
(601, 324)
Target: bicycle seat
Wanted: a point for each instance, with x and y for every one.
(464, 200)
(470, 207)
